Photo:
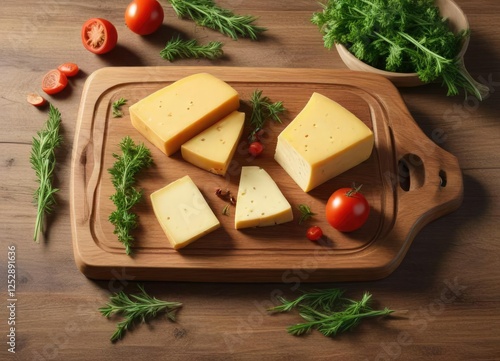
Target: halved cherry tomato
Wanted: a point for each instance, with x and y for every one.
(54, 81)
(99, 36)
(36, 99)
(255, 148)
(347, 209)
(69, 69)
(144, 17)
(314, 233)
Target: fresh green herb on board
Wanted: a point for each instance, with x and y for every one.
(328, 311)
(117, 107)
(43, 161)
(133, 159)
(178, 48)
(136, 308)
(208, 14)
(400, 36)
(263, 110)
(305, 213)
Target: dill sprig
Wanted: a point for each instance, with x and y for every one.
(206, 13)
(400, 36)
(136, 308)
(178, 48)
(43, 161)
(117, 105)
(262, 110)
(133, 159)
(328, 311)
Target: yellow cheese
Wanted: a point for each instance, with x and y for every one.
(214, 148)
(183, 212)
(323, 141)
(260, 201)
(171, 116)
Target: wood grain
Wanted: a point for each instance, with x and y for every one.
(57, 317)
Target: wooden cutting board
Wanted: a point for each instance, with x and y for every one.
(408, 181)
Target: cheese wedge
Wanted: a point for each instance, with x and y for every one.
(214, 148)
(183, 212)
(323, 141)
(260, 201)
(171, 116)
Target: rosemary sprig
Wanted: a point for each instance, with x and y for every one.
(329, 312)
(178, 48)
(206, 13)
(137, 307)
(305, 213)
(133, 159)
(117, 105)
(262, 110)
(43, 161)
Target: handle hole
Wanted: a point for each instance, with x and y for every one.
(411, 172)
(442, 178)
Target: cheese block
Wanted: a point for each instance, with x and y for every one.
(323, 141)
(214, 148)
(171, 116)
(183, 212)
(260, 201)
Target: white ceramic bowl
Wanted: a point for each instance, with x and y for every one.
(457, 21)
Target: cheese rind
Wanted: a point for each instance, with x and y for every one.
(183, 212)
(174, 114)
(260, 202)
(214, 148)
(323, 141)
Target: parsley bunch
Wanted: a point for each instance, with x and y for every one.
(401, 36)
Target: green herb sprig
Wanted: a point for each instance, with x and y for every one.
(401, 36)
(305, 213)
(262, 110)
(117, 107)
(178, 48)
(132, 160)
(43, 161)
(136, 308)
(206, 13)
(328, 311)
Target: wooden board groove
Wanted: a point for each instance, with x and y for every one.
(266, 254)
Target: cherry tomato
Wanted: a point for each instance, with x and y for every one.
(69, 69)
(36, 99)
(99, 36)
(54, 81)
(347, 209)
(144, 17)
(314, 233)
(255, 148)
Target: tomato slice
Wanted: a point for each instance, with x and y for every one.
(68, 69)
(54, 81)
(99, 36)
(36, 99)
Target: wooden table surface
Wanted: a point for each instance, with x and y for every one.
(448, 283)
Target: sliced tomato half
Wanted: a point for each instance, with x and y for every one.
(69, 69)
(54, 81)
(99, 36)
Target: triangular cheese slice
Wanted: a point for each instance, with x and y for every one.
(214, 148)
(260, 201)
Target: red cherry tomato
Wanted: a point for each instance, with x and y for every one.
(347, 209)
(255, 148)
(99, 36)
(54, 81)
(314, 233)
(69, 69)
(144, 17)
(36, 99)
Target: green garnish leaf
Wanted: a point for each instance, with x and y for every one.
(43, 161)
(178, 48)
(117, 105)
(262, 111)
(132, 160)
(305, 213)
(136, 308)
